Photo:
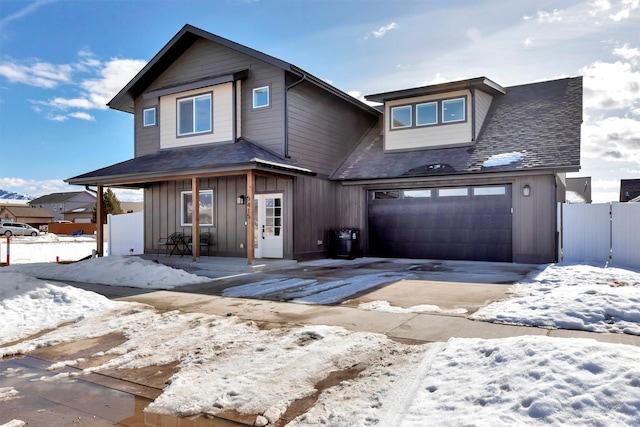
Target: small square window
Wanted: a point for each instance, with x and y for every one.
(453, 110)
(149, 117)
(401, 117)
(427, 114)
(261, 97)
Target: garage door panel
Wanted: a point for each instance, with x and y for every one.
(465, 227)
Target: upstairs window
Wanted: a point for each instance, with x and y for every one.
(427, 114)
(194, 115)
(261, 97)
(453, 110)
(401, 117)
(149, 117)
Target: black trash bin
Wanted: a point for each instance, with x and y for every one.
(345, 242)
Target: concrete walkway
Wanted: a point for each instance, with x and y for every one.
(406, 327)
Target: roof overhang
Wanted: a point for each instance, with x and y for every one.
(481, 83)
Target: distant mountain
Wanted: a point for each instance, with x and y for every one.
(10, 195)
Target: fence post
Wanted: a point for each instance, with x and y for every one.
(8, 251)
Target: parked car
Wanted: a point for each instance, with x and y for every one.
(18, 229)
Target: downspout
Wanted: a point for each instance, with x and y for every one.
(234, 115)
(286, 113)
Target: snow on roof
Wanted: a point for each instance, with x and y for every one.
(503, 159)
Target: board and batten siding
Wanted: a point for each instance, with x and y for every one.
(147, 139)
(483, 102)
(323, 128)
(222, 126)
(428, 136)
(206, 59)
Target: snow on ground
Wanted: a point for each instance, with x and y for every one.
(46, 247)
(309, 291)
(29, 305)
(569, 296)
(129, 271)
(422, 308)
(229, 364)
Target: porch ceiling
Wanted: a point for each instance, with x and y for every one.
(182, 163)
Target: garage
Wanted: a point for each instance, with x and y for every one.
(458, 223)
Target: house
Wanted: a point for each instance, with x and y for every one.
(21, 213)
(61, 205)
(629, 189)
(578, 190)
(273, 158)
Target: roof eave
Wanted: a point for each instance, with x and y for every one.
(482, 83)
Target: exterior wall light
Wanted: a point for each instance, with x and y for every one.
(526, 190)
(240, 200)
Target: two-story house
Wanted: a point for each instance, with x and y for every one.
(268, 158)
(61, 205)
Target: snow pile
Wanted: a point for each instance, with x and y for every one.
(29, 305)
(567, 296)
(46, 247)
(503, 159)
(129, 271)
(423, 308)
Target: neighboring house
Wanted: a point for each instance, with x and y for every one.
(58, 204)
(629, 189)
(21, 213)
(461, 170)
(129, 207)
(578, 190)
(80, 214)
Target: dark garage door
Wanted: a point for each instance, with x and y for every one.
(465, 223)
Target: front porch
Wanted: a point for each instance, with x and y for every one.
(218, 266)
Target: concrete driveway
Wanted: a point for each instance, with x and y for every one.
(405, 283)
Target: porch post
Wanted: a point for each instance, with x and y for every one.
(195, 218)
(250, 213)
(99, 223)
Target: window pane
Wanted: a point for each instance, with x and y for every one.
(149, 117)
(185, 116)
(203, 113)
(205, 208)
(187, 208)
(261, 97)
(452, 192)
(401, 117)
(489, 191)
(382, 195)
(411, 194)
(453, 110)
(427, 114)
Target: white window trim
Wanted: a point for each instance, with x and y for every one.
(193, 98)
(402, 107)
(253, 94)
(464, 110)
(144, 116)
(427, 103)
(182, 208)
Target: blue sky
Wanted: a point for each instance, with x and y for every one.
(61, 61)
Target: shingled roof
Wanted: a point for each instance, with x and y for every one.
(629, 189)
(534, 126)
(190, 160)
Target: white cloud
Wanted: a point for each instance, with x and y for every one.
(474, 34)
(437, 79)
(37, 73)
(611, 85)
(57, 118)
(612, 139)
(115, 74)
(626, 52)
(555, 16)
(624, 12)
(383, 30)
(528, 42)
(598, 6)
(83, 116)
(24, 11)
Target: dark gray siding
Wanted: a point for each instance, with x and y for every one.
(323, 128)
(207, 59)
(147, 139)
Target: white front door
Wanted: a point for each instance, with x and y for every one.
(268, 226)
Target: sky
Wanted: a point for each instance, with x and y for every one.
(231, 362)
(61, 61)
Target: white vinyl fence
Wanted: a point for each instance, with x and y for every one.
(608, 232)
(126, 234)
